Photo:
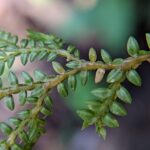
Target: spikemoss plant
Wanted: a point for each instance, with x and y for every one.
(23, 130)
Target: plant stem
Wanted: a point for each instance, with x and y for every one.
(126, 65)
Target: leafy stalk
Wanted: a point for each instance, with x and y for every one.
(23, 130)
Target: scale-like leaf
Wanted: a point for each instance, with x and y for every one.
(132, 47)
(124, 95)
(6, 129)
(2, 67)
(73, 64)
(52, 56)
(134, 77)
(84, 77)
(114, 75)
(48, 101)
(23, 136)
(16, 147)
(9, 101)
(33, 56)
(62, 90)
(27, 78)
(110, 121)
(72, 82)
(14, 121)
(42, 55)
(12, 78)
(10, 61)
(117, 109)
(102, 93)
(24, 114)
(99, 75)
(45, 111)
(39, 75)
(92, 55)
(148, 39)
(58, 67)
(105, 56)
(102, 132)
(22, 97)
(24, 58)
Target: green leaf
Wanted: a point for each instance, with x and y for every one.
(39, 75)
(62, 90)
(24, 58)
(22, 97)
(33, 134)
(124, 95)
(102, 93)
(14, 121)
(37, 91)
(2, 54)
(9, 101)
(110, 121)
(12, 78)
(32, 43)
(1, 83)
(27, 78)
(94, 105)
(106, 57)
(58, 67)
(16, 147)
(132, 47)
(3, 44)
(148, 39)
(72, 82)
(114, 75)
(134, 77)
(11, 48)
(24, 114)
(117, 109)
(92, 55)
(42, 55)
(52, 56)
(85, 114)
(102, 132)
(23, 136)
(32, 99)
(41, 36)
(45, 111)
(117, 61)
(84, 77)
(14, 39)
(40, 44)
(48, 101)
(73, 64)
(24, 43)
(10, 61)
(3, 146)
(2, 67)
(33, 123)
(71, 48)
(33, 56)
(6, 129)
(77, 53)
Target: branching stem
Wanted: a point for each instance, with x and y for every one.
(53, 82)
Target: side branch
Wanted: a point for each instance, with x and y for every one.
(128, 63)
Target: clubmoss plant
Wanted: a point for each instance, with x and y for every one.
(23, 130)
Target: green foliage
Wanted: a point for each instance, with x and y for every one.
(132, 47)
(23, 130)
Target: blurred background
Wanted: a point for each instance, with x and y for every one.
(91, 23)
